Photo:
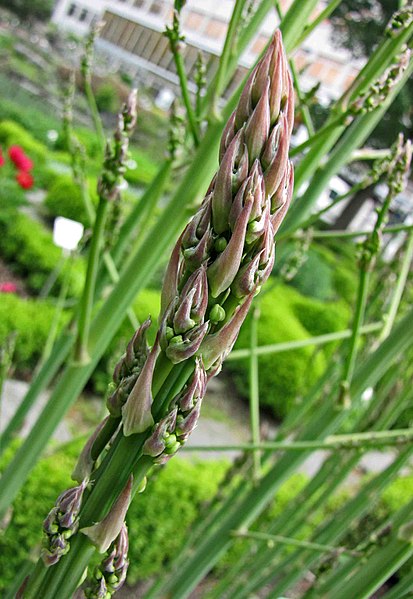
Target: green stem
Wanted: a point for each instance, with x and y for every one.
(399, 289)
(386, 230)
(362, 294)
(180, 69)
(302, 106)
(324, 14)
(254, 400)
(239, 354)
(319, 134)
(229, 44)
(97, 122)
(262, 536)
(86, 303)
(104, 437)
(349, 441)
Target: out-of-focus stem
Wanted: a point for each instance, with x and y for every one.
(183, 81)
(86, 303)
(399, 289)
(97, 121)
(254, 403)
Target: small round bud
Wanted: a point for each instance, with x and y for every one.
(217, 314)
(220, 244)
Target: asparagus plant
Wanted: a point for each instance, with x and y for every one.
(217, 266)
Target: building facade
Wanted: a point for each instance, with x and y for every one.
(132, 37)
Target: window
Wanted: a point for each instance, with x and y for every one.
(71, 10)
(83, 15)
(156, 8)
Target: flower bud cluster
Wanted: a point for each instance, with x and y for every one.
(227, 250)
(128, 369)
(377, 93)
(110, 574)
(116, 154)
(172, 431)
(401, 19)
(62, 523)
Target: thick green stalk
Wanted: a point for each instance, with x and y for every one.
(87, 300)
(254, 399)
(239, 354)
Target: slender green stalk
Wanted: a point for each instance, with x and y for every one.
(387, 230)
(91, 100)
(228, 50)
(180, 69)
(272, 539)
(399, 289)
(364, 441)
(86, 302)
(254, 403)
(322, 16)
(239, 354)
(320, 134)
(302, 106)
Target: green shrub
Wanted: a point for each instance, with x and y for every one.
(12, 133)
(64, 198)
(107, 99)
(286, 315)
(31, 320)
(28, 246)
(158, 520)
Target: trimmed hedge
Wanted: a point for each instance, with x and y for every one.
(28, 247)
(159, 519)
(64, 198)
(286, 315)
(31, 320)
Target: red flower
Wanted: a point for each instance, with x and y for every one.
(1, 158)
(8, 287)
(22, 162)
(24, 179)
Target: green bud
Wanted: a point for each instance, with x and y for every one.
(169, 333)
(142, 485)
(220, 244)
(173, 448)
(217, 314)
(177, 340)
(170, 440)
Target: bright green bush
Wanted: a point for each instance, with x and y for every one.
(64, 198)
(12, 134)
(158, 520)
(107, 99)
(31, 320)
(28, 247)
(286, 315)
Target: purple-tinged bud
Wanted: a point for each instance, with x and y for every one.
(232, 171)
(289, 105)
(245, 106)
(155, 444)
(50, 525)
(85, 463)
(252, 190)
(192, 303)
(275, 156)
(137, 346)
(186, 425)
(257, 227)
(184, 346)
(105, 532)
(217, 346)
(227, 135)
(172, 275)
(68, 504)
(195, 391)
(282, 199)
(223, 271)
(130, 111)
(258, 126)
(198, 225)
(136, 413)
